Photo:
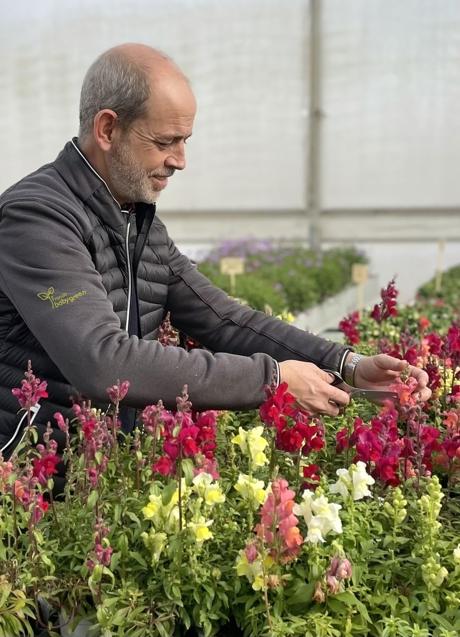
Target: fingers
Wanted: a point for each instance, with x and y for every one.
(420, 376)
(329, 400)
(390, 364)
(424, 395)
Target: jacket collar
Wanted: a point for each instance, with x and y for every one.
(88, 185)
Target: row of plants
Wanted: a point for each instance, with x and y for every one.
(282, 276)
(260, 523)
(444, 286)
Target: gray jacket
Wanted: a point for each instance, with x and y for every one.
(70, 263)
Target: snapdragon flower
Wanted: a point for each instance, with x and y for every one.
(200, 529)
(254, 567)
(353, 482)
(457, 554)
(251, 490)
(252, 443)
(165, 517)
(207, 489)
(320, 515)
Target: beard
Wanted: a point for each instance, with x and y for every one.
(129, 179)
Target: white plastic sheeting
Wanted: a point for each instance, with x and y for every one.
(390, 93)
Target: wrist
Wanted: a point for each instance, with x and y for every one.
(349, 368)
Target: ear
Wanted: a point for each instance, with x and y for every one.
(104, 124)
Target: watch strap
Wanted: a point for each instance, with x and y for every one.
(349, 369)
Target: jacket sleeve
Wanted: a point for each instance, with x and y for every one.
(220, 323)
(47, 273)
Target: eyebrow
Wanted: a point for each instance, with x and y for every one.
(171, 138)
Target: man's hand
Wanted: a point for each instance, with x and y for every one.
(312, 388)
(381, 370)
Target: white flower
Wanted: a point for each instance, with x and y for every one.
(314, 535)
(326, 515)
(320, 515)
(457, 554)
(304, 509)
(354, 481)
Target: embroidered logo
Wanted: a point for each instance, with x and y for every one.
(58, 301)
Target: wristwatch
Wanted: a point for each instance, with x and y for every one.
(349, 369)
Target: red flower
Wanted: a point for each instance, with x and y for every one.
(342, 439)
(279, 406)
(349, 326)
(388, 306)
(164, 466)
(45, 467)
(311, 473)
(434, 342)
(423, 323)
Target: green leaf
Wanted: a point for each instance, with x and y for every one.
(92, 499)
(299, 596)
(138, 558)
(168, 492)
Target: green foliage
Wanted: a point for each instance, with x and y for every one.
(285, 277)
(402, 544)
(449, 288)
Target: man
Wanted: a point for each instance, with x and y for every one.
(88, 272)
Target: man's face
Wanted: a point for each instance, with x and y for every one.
(143, 157)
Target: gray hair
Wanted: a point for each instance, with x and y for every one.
(116, 82)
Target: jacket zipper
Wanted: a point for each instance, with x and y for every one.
(128, 258)
(34, 411)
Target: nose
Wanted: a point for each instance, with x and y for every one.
(176, 158)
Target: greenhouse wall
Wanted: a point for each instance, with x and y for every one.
(388, 128)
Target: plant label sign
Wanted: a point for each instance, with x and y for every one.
(233, 266)
(359, 273)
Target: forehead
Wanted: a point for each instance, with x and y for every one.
(171, 104)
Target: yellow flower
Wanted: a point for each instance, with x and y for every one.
(155, 542)
(256, 571)
(164, 517)
(286, 316)
(251, 490)
(252, 443)
(152, 508)
(200, 529)
(211, 492)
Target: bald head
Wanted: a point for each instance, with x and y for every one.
(123, 79)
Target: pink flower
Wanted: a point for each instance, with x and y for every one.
(152, 417)
(61, 423)
(278, 525)
(434, 342)
(31, 391)
(40, 507)
(405, 391)
(118, 391)
(251, 552)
